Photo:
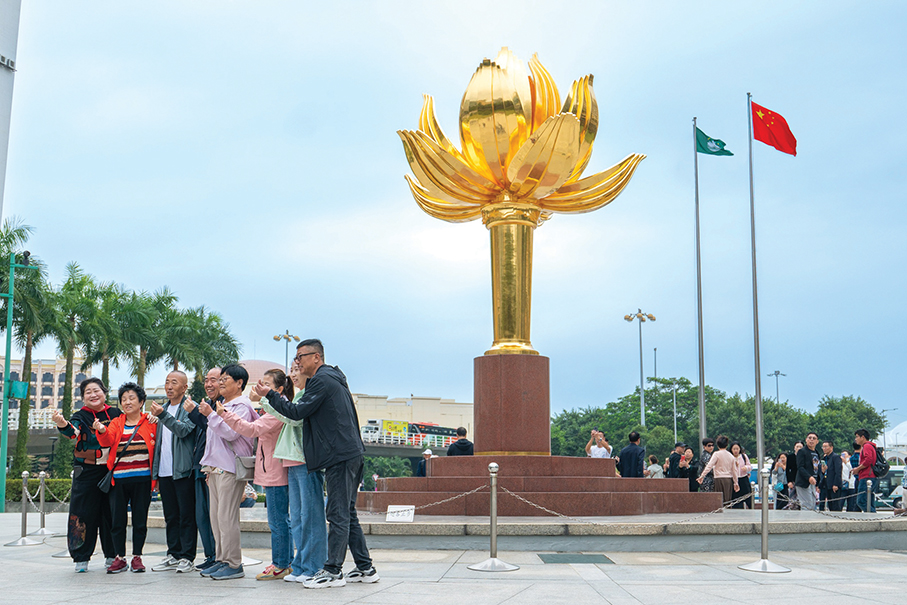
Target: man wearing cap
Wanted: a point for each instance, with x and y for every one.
(673, 470)
(423, 464)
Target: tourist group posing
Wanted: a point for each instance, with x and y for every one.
(201, 456)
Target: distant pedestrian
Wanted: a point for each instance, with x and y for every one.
(422, 467)
(688, 469)
(654, 470)
(598, 446)
(792, 502)
(462, 446)
(864, 470)
(724, 466)
(631, 461)
(848, 482)
(779, 481)
(744, 468)
(707, 483)
(807, 480)
(673, 470)
(830, 488)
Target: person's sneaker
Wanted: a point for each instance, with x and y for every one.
(368, 576)
(206, 564)
(168, 564)
(118, 565)
(325, 579)
(136, 565)
(109, 561)
(229, 573)
(272, 572)
(81, 566)
(207, 572)
(185, 566)
(294, 578)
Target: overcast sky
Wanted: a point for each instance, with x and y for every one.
(245, 154)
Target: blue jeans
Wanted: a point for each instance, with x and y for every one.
(203, 517)
(861, 496)
(277, 502)
(307, 521)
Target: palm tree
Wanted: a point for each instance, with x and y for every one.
(73, 308)
(145, 331)
(120, 313)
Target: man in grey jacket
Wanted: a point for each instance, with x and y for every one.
(173, 469)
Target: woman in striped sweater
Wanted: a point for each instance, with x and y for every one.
(131, 474)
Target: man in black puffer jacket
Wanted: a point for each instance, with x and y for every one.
(330, 441)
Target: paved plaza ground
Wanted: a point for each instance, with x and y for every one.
(32, 575)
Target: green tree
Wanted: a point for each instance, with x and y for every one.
(385, 466)
(107, 338)
(838, 417)
(73, 308)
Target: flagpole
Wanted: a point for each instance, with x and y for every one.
(702, 425)
(763, 565)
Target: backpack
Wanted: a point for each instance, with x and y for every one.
(881, 467)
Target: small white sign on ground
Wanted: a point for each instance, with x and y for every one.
(397, 513)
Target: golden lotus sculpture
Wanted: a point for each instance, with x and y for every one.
(522, 157)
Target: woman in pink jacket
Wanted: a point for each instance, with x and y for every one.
(271, 473)
(744, 468)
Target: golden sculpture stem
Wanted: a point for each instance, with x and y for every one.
(512, 226)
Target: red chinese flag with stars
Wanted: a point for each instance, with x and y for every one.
(772, 129)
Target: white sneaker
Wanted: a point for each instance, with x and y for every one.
(167, 564)
(325, 579)
(185, 566)
(292, 578)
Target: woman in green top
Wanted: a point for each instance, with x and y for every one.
(307, 521)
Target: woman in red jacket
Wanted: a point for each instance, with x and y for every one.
(131, 473)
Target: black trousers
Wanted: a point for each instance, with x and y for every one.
(178, 500)
(745, 488)
(836, 503)
(89, 515)
(342, 483)
(137, 494)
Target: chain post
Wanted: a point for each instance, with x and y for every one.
(24, 541)
(42, 500)
(493, 563)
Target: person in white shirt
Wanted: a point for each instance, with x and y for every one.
(598, 446)
(848, 482)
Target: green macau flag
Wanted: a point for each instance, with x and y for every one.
(709, 146)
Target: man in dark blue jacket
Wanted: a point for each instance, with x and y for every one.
(330, 441)
(830, 487)
(631, 458)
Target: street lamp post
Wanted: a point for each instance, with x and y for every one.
(777, 373)
(641, 317)
(53, 445)
(286, 354)
(7, 385)
(674, 386)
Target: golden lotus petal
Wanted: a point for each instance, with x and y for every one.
(428, 123)
(593, 192)
(439, 208)
(547, 159)
(581, 103)
(546, 100)
(495, 115)
(443, 175)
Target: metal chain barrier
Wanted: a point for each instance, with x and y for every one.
(54, 497)
(445, 500)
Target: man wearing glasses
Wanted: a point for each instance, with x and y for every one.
(330, 441)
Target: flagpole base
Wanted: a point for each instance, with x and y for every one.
(493, 564)
(43, 532)
(248, 561)
(63, 554)
(764, 566)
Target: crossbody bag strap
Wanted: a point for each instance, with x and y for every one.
(135, 432)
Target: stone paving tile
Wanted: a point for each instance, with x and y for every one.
(648, 558)
(627, 575)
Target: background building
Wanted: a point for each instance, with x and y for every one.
(434, 410)
(47, 381)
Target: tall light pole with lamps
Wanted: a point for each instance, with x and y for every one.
(286, 354)
(777, 373)
(885, 430)
(641, 317)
